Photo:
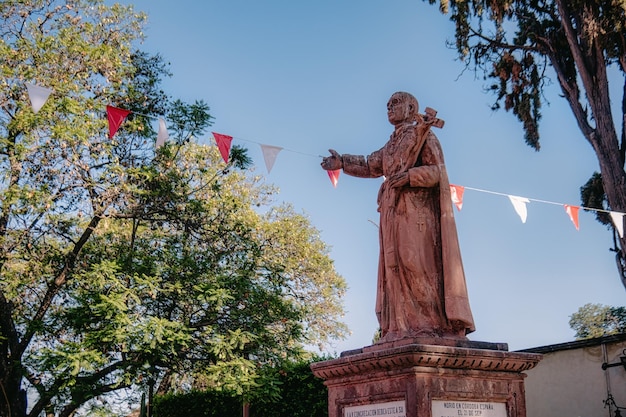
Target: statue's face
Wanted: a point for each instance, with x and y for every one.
(398, 110)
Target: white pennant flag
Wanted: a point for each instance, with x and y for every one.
(269, 154)
(618, 221)
(38, 95)
(519, 204)
(162, 136)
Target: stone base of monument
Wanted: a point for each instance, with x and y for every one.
(427, 377)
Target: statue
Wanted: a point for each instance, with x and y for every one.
(421, 288)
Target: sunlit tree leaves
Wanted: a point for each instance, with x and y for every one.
(125, 266)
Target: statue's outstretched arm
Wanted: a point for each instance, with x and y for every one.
(332, 162)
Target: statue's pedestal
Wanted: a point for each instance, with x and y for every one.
(427, 378)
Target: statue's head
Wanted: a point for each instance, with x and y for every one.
(402, 107)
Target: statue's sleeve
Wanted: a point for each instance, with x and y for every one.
(427, 171)
(360, 166)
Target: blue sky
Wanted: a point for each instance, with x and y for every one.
(309, 76)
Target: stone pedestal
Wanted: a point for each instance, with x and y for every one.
(427, 378)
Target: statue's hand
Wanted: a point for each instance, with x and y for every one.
(332, 162)
(424, 126)
(399, 180)
(430, 121)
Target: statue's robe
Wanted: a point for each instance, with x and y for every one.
(421, 283)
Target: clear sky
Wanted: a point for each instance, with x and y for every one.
(312, 75)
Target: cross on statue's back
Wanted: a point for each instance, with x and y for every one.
(430, 116)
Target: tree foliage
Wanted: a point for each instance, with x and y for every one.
(123, 265)
(596, 320)
(300, 394)
(519, 45)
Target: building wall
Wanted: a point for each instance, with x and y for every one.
(569, 380)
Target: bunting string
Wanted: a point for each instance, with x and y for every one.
(519, 204)
(38, 96)
(540, 201)
(285, 149)
(145, 115)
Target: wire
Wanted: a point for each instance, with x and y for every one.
(542, 201)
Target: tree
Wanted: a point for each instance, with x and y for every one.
(596, 320)
(514, 43)
(301, 395)
(123, 265)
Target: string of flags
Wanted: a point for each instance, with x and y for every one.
(38, 96)
(116, 116)
(519, 204)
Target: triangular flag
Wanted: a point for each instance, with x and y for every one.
(572, 212)
(269, 154)
(618, 221)
(519, 204)
(162, 136)
(116, 117)
(456, 192)
(334, 176)
(223, 144)
(38, 95)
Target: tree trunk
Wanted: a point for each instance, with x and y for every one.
(614, 183)
(12, 397)
(591, 64)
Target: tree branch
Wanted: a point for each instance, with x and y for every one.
(59, 281)
(498, 44)
(46, 395)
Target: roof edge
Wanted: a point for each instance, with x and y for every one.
(577, 344)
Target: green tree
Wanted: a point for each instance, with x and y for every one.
(596, 320)
(301, 394)
(124, 266)
(520, 44)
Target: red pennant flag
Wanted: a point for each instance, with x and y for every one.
(116, 117)
(223, 144)
(456, 192)
(572, 212)
(334, 176)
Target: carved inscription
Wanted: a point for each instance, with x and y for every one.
(388, 409)
(449, 408)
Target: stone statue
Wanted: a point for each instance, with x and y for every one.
(421, 283)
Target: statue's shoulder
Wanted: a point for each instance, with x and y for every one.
(431, 137)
